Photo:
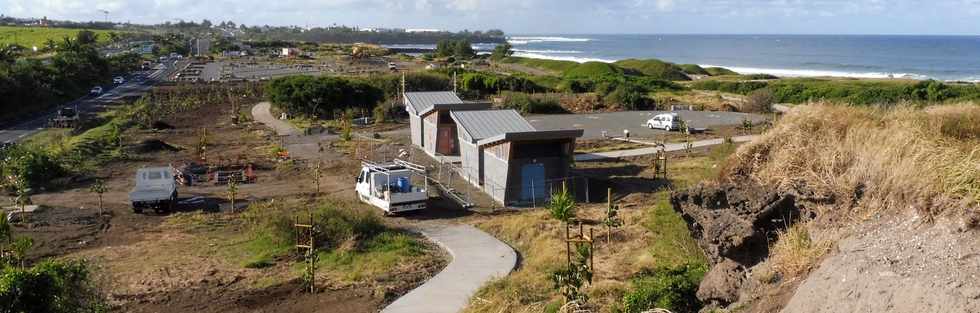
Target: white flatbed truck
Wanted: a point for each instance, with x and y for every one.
(391, 188)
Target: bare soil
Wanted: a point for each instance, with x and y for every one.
(144, 263)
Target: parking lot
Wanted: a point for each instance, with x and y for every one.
(615, 122)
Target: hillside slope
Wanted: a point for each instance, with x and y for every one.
(862, 209)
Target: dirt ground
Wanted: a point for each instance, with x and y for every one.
(150, 263)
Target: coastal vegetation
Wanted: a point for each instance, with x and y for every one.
(860, 92)
(655, 69)
(460, 49)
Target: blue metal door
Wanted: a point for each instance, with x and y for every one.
(532, 182)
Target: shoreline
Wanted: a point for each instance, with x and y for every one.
(520, 50)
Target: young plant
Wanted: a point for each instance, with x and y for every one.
(19, 249)
(23, 192)
(99, 188)
(612, 216)
(562, 205)
(232, 192)
(316, 177)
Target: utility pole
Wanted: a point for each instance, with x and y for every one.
(106, 13)
(454, 81)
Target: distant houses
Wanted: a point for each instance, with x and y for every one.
(497, 151)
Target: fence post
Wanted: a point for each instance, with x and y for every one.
(534, 203)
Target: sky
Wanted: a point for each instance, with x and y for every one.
(938, 17)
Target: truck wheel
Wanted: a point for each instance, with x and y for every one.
(137, 210)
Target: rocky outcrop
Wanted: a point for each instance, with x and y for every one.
(733, 224)
(722, 283)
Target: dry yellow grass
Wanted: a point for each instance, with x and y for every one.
(796, 251)
(866, 160)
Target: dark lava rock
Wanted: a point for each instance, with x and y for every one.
(735, 221)
(733, 224)
(722, 283)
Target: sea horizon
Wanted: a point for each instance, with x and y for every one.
(940, 57)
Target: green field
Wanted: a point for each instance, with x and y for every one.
(36, 36)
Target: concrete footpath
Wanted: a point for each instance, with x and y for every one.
(261, 114)
(477, 258)
(652, 150)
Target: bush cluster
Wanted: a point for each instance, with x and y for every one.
(532, 104)
(671, 288)
(322, 96)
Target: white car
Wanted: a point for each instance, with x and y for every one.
(667, 122)
(97, 90)
(118, 80)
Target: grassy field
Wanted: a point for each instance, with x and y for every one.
(36, 36)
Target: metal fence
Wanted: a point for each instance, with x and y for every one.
(534, 194)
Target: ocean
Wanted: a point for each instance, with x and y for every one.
(949, 58)
(867, 56)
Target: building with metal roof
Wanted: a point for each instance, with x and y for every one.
(509, 159)
(431, 127)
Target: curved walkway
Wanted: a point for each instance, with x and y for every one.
(477, 258)
(261, 114)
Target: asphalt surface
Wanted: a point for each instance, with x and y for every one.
(615, 122)
(136, 85)
(670, 147)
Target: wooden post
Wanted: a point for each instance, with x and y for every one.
(608, 211)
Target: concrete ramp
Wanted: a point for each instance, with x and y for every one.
(477, 258)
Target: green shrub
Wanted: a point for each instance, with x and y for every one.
(672, 288)
(321, 96)
(719, 71)
(532, 104)
(628, 96)
(693, 69)
(31, 164)
(655, 68)
(738, 87)
(50, 286)
(543, 64)
(593, 70)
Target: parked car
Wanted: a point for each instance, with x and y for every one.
(118, 80)
(667, 122)
(97, 90)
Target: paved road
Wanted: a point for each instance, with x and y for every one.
(652, 150)
(615, 122)
(477, 259)
(136, 85)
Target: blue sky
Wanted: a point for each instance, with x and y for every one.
(546, 16)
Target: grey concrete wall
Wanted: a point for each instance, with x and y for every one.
(429, 133)
(495, 176)
(470, 155)
(415, 124)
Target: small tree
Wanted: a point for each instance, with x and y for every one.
(99, 188)
(23, 192)
(316, 177)
(19, 249)
(232, 192)
(562, 205)
(346, 129)
(379, 115)
(612, 216)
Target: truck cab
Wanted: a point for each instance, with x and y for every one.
(390, 188)
(155, 189)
